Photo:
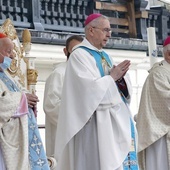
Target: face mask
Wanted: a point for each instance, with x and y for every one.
(6, 63)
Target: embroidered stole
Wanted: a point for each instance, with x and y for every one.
(37, 156)
(101, 59)
(130, 163)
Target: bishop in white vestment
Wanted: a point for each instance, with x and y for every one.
(95, 125)
(153, 119)
(20, 141)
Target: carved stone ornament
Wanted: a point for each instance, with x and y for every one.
(32, 75)
(8, 29)
(18, 69)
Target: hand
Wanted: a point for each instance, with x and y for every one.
(120, 70)
(32, 100)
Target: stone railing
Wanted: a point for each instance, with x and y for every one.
(129, 18)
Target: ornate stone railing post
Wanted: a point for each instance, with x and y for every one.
(164, 22)
(141, 17)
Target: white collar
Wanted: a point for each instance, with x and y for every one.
(162, 63)
(86, 43)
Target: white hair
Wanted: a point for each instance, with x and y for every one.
(95, 22)
(165, 49)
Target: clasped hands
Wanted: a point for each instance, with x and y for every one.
(118, 71)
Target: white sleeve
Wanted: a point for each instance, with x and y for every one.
(52, 96)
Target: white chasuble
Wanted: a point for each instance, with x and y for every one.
(153, 119)
(93, 125)
(13, 136)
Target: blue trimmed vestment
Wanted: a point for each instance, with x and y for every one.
(130, 162)
(37, 156)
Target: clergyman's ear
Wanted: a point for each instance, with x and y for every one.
(65, 51)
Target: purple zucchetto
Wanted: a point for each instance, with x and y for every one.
(91, 17)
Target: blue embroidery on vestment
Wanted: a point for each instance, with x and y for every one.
(98, 56)
(130, 163)
(37, 156)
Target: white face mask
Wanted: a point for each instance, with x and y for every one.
(6, 63)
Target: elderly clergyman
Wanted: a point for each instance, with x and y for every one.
(21, 147)
(153, 119)
(95, 129)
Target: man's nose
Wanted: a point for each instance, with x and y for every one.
(109, 35)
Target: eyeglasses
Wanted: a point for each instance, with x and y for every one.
(104, 30)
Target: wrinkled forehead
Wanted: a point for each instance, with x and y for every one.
(104, 22)
(6, 42)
